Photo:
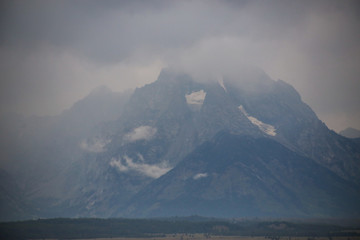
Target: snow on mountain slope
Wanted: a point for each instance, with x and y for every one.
(221, 83)
(266, 128)
(196, 99)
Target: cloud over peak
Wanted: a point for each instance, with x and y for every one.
(60, 50)
(141, 133)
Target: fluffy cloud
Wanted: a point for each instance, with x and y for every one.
(200, 175)
(141, 133)
(126, 164)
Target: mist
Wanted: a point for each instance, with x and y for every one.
(54, 53)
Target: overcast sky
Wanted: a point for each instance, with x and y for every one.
(53, 53)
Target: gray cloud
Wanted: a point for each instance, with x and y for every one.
(52, 53)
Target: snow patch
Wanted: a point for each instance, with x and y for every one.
(266, 128)
(200, 175)
(95, 145)
(221, 83)
(141, 133)
(126, 164)
(196, 98)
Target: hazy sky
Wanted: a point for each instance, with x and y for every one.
(53, 53)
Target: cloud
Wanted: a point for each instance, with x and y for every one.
(200, 175)
(50, 79)
(52, 53)
(126, 164)
(96, 145)
(117, 163)
(141, 133)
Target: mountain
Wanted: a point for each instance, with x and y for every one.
(350, 133)
(162, 123)
(235, 175)
(42, 154)
(167, 121)
(245, 146)
(13, 204)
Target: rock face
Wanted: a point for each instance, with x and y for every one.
(233, 148)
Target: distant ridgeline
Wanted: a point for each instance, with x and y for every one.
(350, 133)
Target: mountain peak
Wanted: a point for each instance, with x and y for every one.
(171, 75)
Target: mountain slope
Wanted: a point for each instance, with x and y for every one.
(237, 175)
(297, 126)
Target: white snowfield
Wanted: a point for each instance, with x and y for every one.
(196, 98)
(221, 83)
(266, 128)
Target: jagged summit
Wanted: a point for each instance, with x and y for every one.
(171, 75)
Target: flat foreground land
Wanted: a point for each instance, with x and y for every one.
(203, 237)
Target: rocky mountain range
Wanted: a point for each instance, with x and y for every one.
(231, 147)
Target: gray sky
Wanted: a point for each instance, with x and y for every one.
(53, 53)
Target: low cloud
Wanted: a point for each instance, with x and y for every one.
(127, 164)
(117, 164)
(200, 175)
(96, 145)
(80, 45)
(141, 133)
